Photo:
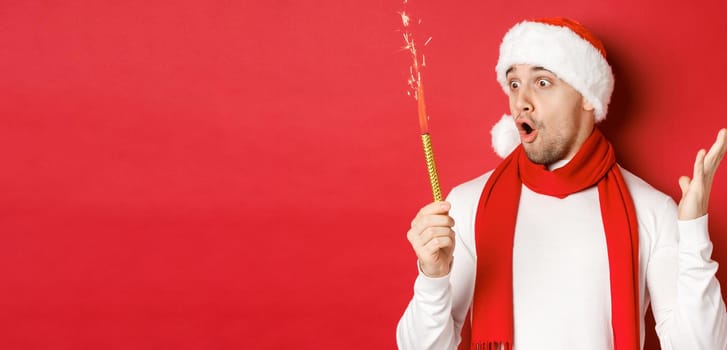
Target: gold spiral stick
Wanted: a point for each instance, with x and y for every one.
(431, 167)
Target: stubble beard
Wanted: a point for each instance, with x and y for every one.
(548, 152)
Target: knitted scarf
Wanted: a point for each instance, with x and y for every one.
(593, 165)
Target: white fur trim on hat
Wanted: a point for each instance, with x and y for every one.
(563, 52)
(505, 136)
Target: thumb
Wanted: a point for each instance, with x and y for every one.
(684, 184)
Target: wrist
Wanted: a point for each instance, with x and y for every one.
(434, 271)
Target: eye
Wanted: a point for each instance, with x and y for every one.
(543, 83)
(514, 85)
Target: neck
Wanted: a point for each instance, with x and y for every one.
(559, 164)
(581, 137)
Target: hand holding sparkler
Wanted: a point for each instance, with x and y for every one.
(432, 238)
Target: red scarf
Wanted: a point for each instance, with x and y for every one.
(594, 164)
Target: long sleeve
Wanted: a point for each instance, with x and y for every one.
(427, 322)
(686, 298)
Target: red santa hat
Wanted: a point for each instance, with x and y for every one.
(564, 47)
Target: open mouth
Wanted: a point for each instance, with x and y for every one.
(525, 127)
(528, 132)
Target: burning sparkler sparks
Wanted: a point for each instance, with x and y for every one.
(405, 18)
(415, 76)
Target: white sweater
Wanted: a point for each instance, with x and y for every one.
(562, 296)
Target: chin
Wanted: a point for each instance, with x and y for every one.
(542, 157)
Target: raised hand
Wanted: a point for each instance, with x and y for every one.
(432, 238)
(695, 191)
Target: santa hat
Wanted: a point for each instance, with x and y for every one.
(564, 47)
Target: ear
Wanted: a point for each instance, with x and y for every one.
(587, 106)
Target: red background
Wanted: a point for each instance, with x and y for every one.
(222, 174)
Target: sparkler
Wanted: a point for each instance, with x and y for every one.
(417, 91)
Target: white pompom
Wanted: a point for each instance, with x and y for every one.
(505, 136)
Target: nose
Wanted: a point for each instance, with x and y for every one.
(523, 103)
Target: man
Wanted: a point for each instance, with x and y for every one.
(559, 247)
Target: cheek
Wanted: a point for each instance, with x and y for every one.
(562, 121)
(511, 104)
(568, 111)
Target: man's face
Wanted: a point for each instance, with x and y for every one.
(553, 118)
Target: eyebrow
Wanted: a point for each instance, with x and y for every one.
(534, 69)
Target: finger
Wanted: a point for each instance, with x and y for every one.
(438, 243)
(422, 232)
(717, 152)
(429, 209)
(422, 223)
(434, 232)
(435, 220)
(435, 208)
(684, 185)
(699, 165)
